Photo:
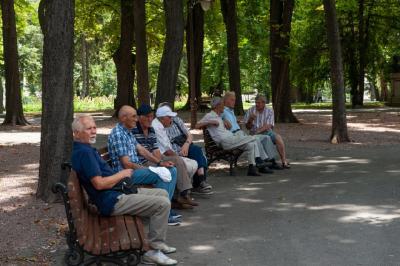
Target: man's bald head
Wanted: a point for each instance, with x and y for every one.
(127, 116)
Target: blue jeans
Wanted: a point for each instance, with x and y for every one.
(144, 176)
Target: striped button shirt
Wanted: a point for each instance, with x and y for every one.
(173, 132)
(266, 116)
(122, 142)
(149, 141)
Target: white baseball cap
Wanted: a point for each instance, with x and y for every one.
(165, 111)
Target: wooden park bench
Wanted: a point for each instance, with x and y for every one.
(115, 239)
(214, 152)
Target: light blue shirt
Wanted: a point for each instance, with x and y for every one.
(229, 115)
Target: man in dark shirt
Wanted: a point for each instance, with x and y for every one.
(98, 179)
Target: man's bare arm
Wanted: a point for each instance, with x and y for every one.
(101, 183)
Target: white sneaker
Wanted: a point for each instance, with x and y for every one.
(164, 248)
(157, 257)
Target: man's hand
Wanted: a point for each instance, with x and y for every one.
(184, 149)
(167, 164)
(252, 116)
(227, 124)
(263, 129)
(126, 172)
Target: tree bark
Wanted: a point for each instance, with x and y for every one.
(14, 111)
(57, 23)
(172, 53)
(198, 46)
(339, 123)
(384, 88)
(124, 59)
(142, 74)
(1, 96)
(280, 26)
(85, 68)
(228, 8)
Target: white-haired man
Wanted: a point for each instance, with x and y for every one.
(227, 140)
(98, 179)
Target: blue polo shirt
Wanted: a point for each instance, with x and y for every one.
(87, 163)
(229, 115)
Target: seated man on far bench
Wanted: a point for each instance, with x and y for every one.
(263, 141)
(227, 140)
(98, 179)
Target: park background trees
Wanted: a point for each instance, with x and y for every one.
(134, 51)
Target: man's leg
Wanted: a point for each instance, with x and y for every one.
(147, 177)
(268, 146)
(148, 203)
(183, 181)
(281, 148)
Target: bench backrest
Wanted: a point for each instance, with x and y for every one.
(99, 234)
(209, 143)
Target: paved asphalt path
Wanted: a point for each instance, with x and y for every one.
(337, 208)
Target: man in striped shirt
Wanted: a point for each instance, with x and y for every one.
(260, 120)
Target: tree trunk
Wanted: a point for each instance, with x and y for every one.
(339, 123)
(85, 68)
(14, 111)
(198, 46)
(172, 53)
(142, 74)
(1, 96)
(57, 23)
(124, 59)
(384, 89)
(228, 8)
(280, 27)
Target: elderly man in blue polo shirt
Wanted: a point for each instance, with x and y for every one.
(124, 149)
(98, 179)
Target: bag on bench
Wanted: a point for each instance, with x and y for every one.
(126, 186)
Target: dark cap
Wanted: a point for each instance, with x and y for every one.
(144, 109)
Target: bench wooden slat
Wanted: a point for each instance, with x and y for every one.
(105, 235)
(122, 232)
(114, 244)
(97, 238)
(132, 231)
(143, 238)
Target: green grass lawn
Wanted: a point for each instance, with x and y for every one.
(33, 105)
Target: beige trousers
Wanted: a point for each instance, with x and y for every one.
(152, 204)
(245, 143)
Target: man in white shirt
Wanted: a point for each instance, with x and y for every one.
(227, 140)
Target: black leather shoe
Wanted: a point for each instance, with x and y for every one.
(275, 166)
(252, 171)
(265, 170)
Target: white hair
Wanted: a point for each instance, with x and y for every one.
(77, 123)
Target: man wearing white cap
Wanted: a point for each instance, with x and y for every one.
(227, 140)
(175, 139)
